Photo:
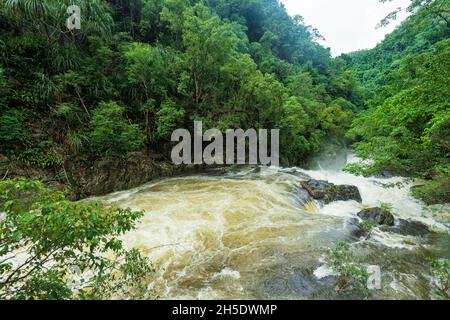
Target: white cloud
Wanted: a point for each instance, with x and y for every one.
(347, 25)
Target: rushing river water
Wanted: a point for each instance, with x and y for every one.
(243, 233)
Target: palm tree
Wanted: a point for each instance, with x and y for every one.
(46, 19)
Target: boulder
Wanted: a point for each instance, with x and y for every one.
(354, 229)
(408, 228)
(378, 216)
(329, 192)
(347, 193)
(302, 196)
(296, 173)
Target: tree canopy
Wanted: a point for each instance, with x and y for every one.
(163, 64)
(405, 129)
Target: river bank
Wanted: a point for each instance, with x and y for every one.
(81, 180)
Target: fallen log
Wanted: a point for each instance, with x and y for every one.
(305, 186)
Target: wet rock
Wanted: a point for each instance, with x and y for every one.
(349, 230)
(305, 284)
(329, 192)
(214, 171)
(408, 228)
(104, 176)
(297, 174)
(318, 185)
(384, 175)
(354, 229)
(302, 196)
(113, 174)
(346, 193)
(378, 216)
(298, 283)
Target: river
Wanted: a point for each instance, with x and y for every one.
(243, 233)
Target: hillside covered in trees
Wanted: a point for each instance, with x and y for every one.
(405, 128)
(139, 69)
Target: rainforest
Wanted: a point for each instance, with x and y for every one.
(92, 206)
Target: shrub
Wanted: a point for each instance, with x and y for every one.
(435, 191)
(367, 226)
(3, 88)
(169, 117)
(11, 129)
(40, 158)
(111, 133)
(51, 248)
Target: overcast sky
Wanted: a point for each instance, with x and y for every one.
(347, 25)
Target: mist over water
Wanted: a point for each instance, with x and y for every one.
(245, 234)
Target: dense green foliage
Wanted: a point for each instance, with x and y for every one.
(111, 132)
(51, 248)
(139, 69)
(406, 127)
